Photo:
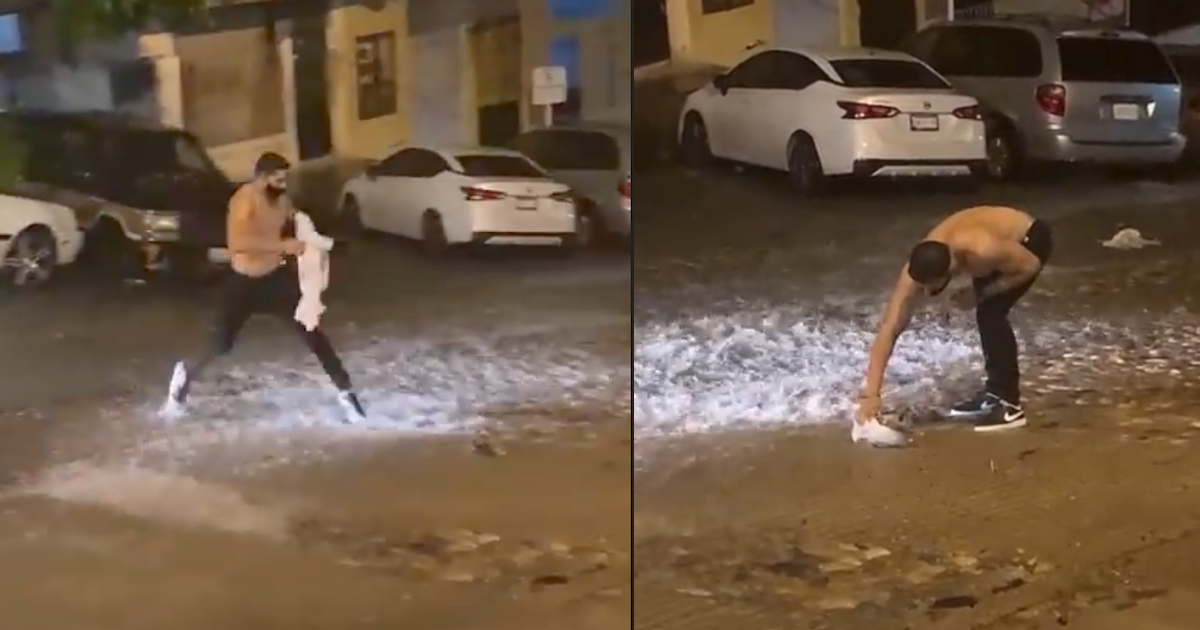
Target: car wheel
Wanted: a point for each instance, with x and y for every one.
(32, 259)
(351, 219)
(433, 235)
(589, 227)
(694, 145)
(805, 172)
(1001, 154)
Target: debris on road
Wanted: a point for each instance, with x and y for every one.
(1129, 238)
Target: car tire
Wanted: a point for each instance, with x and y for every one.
(433, 235)
(111, 252)
(805, 172)
(694, 145)
(1003, 158)
(350, 219)
(32, 259)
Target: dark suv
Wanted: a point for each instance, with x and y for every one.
(149, 197)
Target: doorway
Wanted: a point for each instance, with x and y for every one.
(314, 135)
(653, 41)
(886, 23)
(496, 55)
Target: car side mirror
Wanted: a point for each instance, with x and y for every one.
(721, 82)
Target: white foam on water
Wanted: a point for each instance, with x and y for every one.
(767, 368)
(161, 497)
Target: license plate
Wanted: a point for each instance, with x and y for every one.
(1126, 111)
(923, 122)
(526, 203)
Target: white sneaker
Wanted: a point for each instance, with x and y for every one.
(876, 434)
(176, 393)
(351, 407)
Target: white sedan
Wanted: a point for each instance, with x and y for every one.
(445, 197)
(857, 112)
(36, 237)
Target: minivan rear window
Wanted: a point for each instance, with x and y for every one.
(887, 73)
(570, 149)
(1112, 60)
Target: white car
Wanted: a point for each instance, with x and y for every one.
(857, 112)
(36, 237)
(445, 197)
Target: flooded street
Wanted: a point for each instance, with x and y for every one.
(489, 487)
(753, 313)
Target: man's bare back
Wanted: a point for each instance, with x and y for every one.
(976, 237)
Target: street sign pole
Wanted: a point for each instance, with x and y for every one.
(549, 89)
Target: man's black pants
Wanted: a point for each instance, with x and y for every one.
(276, 294)
(996, 333)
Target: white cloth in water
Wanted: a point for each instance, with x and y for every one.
(313, 267)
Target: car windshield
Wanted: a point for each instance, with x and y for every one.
(570, 149)
(497, 166)
(887, 73)
(1114, 60)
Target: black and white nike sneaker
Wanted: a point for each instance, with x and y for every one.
(977, 407)
(1003, 416)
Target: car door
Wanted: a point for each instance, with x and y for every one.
(782, 106)
(429, 186)
(739, 105)
(386, 191)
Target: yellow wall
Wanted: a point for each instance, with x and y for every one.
(718, 38)
(366, 138)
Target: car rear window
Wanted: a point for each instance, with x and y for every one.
(497, 166)
(887, 73)
(570, 149)
(1112, 60)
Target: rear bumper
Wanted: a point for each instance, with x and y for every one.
(917, 168)
(1061, 148)
(522, 238)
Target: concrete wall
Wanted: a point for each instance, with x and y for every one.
(718, 38)
(354, 138)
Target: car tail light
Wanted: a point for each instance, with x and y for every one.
(970, 112)
(866, 111)
(563, 197)
(482, 194)
(625, 188)
(1052, 99)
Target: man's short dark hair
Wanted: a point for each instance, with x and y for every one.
(929, 262)
(270, 162)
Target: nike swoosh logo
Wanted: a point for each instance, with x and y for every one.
(1009, 416)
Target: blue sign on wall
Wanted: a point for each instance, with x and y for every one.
(583, 9)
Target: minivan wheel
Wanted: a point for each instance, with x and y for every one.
(1001, 155)
(805, 172)
(695, 148)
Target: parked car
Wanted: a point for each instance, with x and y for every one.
(36, 237)
(445, 197)
(149, 197)
(593, 161)
(859, 112)
(1060, 90)
(626, 192)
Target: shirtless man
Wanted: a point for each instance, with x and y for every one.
(262, 279)
(1003, 250)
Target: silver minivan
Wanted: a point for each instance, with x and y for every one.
(1060, 90)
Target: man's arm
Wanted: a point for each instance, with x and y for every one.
(243, 233)
(895, 319)
(1016, 265)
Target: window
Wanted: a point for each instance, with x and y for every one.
(986, 51)
(790, 71)
(12, 40)
(1112, 60)
(411, 163)
(497, 166)
(376, 59)
(887, 73)
(132, 81)
(753, 73)
(717, 6)
(570, 149)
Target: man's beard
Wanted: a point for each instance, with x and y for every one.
(274, 192)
